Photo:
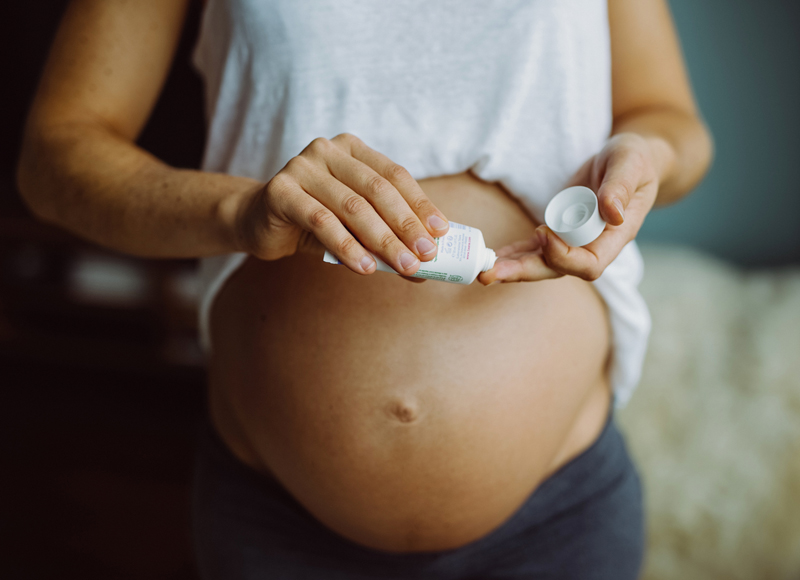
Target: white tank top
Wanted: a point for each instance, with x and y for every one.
(518, 91)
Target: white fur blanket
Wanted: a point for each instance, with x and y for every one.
(715, 424)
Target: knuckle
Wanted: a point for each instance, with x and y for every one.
(319, 145)
(346, 138)
(408, 225)
(354, 205)
(345, 246)
(618, 189)
(421, 205)
(386, 240)
(632, 153)
(278, 186)
(298, 165)
(378, 186)
(615, 187)
(320, 218)
(398, 173)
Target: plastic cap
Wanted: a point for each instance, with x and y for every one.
(574, 216)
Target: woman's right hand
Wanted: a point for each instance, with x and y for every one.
(352, 199)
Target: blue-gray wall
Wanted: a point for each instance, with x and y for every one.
(744, 60)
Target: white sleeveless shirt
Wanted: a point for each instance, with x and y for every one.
(518, 91)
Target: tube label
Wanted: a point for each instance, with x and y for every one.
(458, 260)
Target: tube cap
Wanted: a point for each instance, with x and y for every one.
(574, 216)
(489, 260)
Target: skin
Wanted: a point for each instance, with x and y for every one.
(358, 392)
(80, 169)
(658, 152)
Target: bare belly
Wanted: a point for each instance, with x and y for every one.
(409, 417)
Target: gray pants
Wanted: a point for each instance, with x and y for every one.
(585, 522)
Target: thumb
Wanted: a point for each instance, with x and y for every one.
(620, 182)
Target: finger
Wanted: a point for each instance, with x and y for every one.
(435, 221)
(587, 262)
(524, 267)
(362, 219)
(529, 245)
(302, 209)
(428, 214)
(622, 177)
(386, 201)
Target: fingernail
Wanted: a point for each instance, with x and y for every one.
(542, 238)
(618, 205)
(425, 246)
(407, 260)
(437, 223)
(366, 263)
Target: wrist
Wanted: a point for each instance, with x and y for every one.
(663, 156)
(232, 212)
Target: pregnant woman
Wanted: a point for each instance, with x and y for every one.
(361, 424)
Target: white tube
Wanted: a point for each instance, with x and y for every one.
(461, 257)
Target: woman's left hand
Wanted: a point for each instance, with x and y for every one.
(625, 177)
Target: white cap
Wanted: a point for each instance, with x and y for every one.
(574, 216)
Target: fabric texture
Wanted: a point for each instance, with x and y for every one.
(518, 92)
(585, 521)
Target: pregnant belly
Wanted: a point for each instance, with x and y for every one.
(409, 417)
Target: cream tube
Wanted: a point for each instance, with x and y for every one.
(461, 257)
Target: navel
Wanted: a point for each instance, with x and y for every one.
(403, 411)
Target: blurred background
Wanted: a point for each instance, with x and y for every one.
(101, 380)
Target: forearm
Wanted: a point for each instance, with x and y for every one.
(102, 187)
(681, 144)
